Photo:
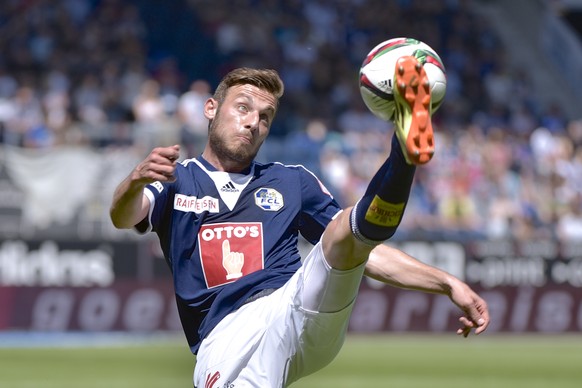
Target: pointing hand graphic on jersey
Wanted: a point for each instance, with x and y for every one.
(232, 261)
(230, 251)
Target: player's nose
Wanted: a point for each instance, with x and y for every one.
(252, 121)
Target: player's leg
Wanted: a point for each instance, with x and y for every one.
(321, 307)
(282, 337)
(227, 349)
(333, 271)
(250, 347)
(379, 212)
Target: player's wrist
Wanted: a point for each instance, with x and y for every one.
(448, 284)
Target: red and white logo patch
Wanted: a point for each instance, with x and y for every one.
(196, 205)
(211, 379)
(229, 251)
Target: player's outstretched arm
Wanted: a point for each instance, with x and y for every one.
(129, 205)
(394, 267)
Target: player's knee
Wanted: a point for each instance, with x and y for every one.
(342, 250)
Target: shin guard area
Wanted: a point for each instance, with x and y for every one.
(378, 213)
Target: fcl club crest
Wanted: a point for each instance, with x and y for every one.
(268, 199)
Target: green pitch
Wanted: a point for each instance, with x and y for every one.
(365, 361)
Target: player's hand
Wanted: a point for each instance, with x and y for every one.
(159, 165)
(475, 308)
(232, 261)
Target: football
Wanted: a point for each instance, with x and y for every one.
(377, 73)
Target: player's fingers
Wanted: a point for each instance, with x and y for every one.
(484, 321)
(472, 311)
(225, 248)
(163, 156)
(467, 322)
(167, 171)
(481, 325)
(479, 315)
(163, 160)
(159, 177)
(467, 326)
(170, 153)
(152, 172)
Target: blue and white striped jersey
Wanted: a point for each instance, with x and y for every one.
(228, 236)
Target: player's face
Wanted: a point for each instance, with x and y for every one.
(240, 124)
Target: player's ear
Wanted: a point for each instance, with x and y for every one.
(210, 108)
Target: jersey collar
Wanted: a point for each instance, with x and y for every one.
(210, 167)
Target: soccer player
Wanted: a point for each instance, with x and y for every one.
(252, 312)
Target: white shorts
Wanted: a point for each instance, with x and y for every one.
(279, 338)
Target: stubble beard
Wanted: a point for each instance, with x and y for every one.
(238, 154)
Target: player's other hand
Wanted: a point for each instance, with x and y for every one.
(475, 308)
(159, 165)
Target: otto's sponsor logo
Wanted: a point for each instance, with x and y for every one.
(229, 251)
(269, 199)
(230, 231)
(196, 205)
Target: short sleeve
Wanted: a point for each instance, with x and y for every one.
(318, 206)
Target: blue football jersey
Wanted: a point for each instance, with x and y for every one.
(228, 236)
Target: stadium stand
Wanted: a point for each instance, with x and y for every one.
(88, 86)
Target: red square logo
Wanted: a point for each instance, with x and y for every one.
(229, 251)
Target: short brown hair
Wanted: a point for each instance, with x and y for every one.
(265, 79)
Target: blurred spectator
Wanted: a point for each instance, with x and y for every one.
(306, 145)
(569, 224)
(499, 84)
(190, 111)
(25, 125)
(148, 107)
(152, 126)
(554, 119)
(457, 211)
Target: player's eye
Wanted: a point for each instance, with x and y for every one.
(265, 118)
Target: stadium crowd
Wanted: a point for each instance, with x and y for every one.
(129, 75)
